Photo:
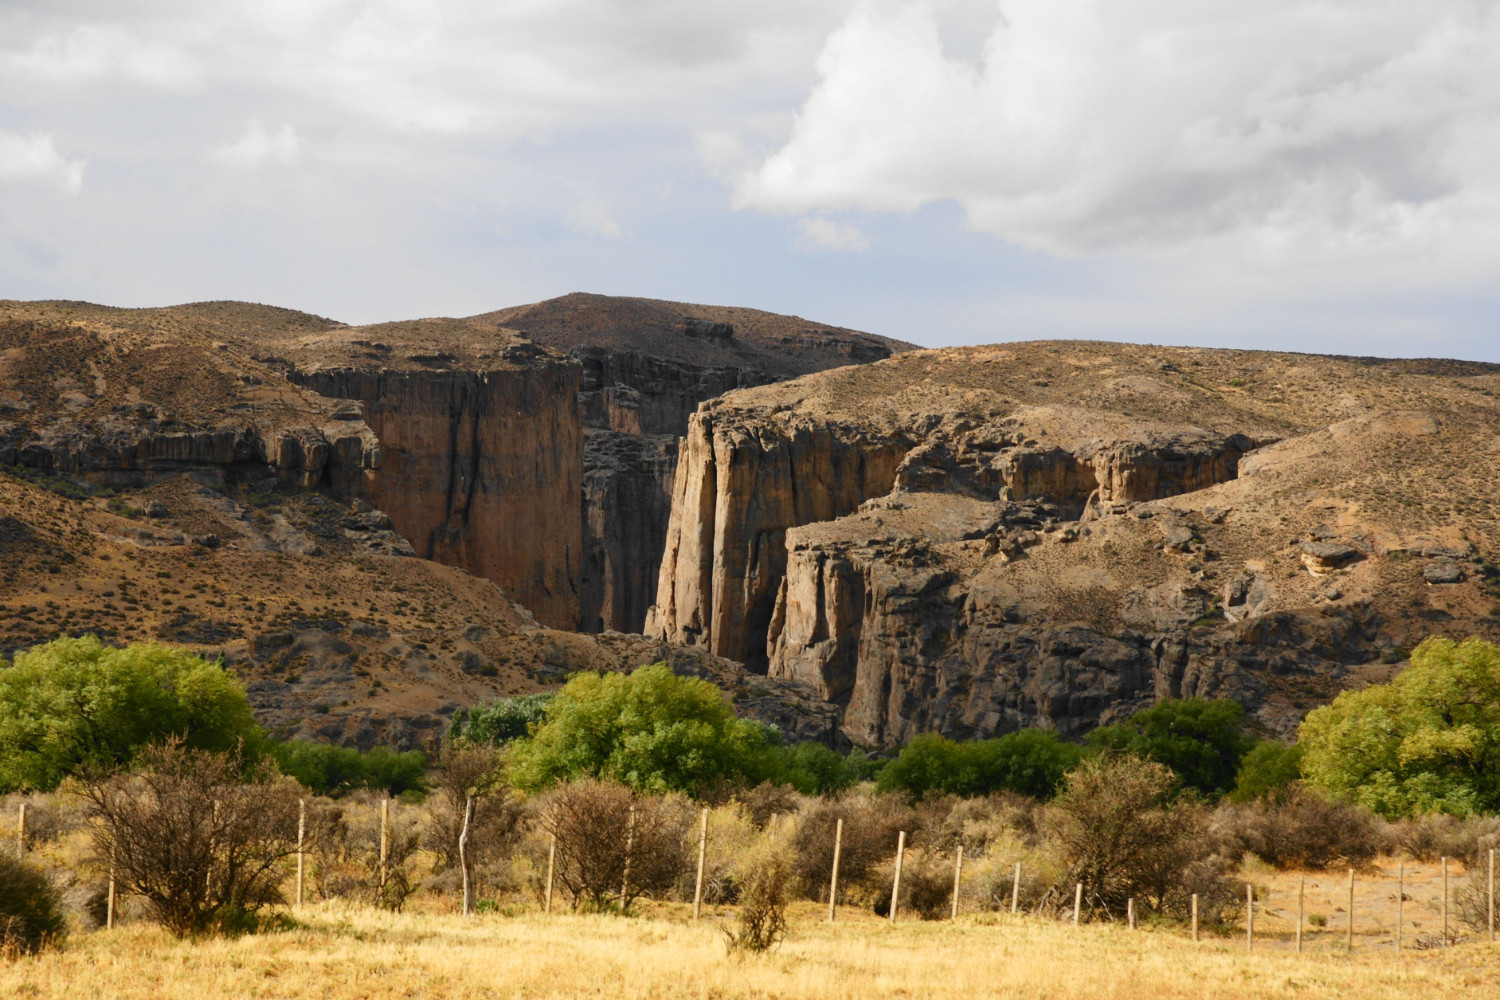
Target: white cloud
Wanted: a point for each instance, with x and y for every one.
(257, 148)
(1280, 132)
(593, 219)
(93, 52)
(35, 158)
(822, 233)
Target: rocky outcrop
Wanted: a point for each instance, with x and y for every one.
(627, 501)
(739, 487)
(481, 469)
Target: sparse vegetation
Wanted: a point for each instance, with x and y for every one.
(31, 912)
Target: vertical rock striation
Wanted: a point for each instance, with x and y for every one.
(481, 469)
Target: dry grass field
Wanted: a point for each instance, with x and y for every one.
(336, 952)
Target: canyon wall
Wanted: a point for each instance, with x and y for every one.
(481, 469)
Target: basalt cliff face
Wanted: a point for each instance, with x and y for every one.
(646, 366)
(971, 540)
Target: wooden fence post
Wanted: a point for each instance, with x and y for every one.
(1195, 916)
(109, 899)
(463, 854)
(301, 849)
(1301, 908)
(1492, 894)
(1350, 938)
(21, 831)
(551, 866)
(896, 885)
(629, 846)
(1445, 902)
(385, 841)
(833, 878)
(1130, 912)
(1400, 901)
(1015, 889)
(702, 856)
(1077, 902)
(1249, 917)
(958, 868)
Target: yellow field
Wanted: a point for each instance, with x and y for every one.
(342, 953)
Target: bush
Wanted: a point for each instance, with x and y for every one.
(75, 702)
(1301, 828)
(1268, 769)
(871, 826)
(464, 769)
(1115, 829)
(651, 730)
(1428, 838)
(1429, 741)
(613, 846)
(333, 771)
(1030, 762)
(926, 884)
(766, 877)
(1200, 741)
(192, 835)
(815, 769)
(502, 720)
(344, 841)
(31, 915)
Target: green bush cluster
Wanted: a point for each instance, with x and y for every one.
(333, 771)
(1031, 762)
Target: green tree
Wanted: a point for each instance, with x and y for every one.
(1201, 741)
(75, 701)
(1031, 761)
(650, 730)
(1429, 741)
(1268, 770)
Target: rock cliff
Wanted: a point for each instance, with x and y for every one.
(973, 540)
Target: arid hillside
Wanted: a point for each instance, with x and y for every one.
(1057, 533)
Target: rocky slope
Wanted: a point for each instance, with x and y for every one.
(1056, 534)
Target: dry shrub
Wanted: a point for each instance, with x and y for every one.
(990, 879)
(731, 834)
(31, 916)
(1301, 828)
(202, 842)
(465, 769)
(871, 827)
(1005, 818)
(48, 817)
(765, 801)
(613, 846)
(1471, 899)
(766, 875)
(344, 842)
(926, 884)
(1115, 829)
(1428, 838)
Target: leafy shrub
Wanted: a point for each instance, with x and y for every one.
(1301, 828)
(815, 769)
(1030, 762)
(650, 730)
(1116, 829)
(74, 702)
(1268, 769)
(1429, 741)
(502, 720)
(31, 915)
(1200, 741)
(601, 828)
(195, 837)
(329, 770)
(766, 875)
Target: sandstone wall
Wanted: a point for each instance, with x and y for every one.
(483, 470)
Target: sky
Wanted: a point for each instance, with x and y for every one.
(1315, 176)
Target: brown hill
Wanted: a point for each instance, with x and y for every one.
(1057, 533)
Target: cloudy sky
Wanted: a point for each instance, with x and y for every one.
(1305, 175)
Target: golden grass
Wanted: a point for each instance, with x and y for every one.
(340, 952)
